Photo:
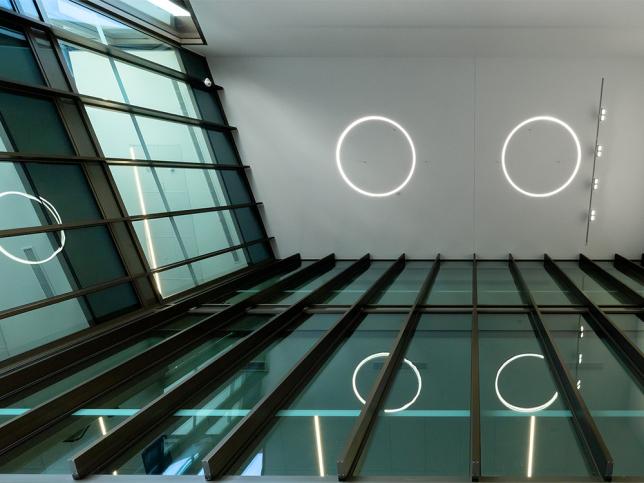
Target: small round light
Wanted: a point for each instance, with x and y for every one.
(57, 219)
(338, 157)
(514, 131)
(386, 354)
(512, 407)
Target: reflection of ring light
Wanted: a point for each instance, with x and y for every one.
(513, 132)
(57, 219)
(520, 409)
(338, 158)
(385, 354)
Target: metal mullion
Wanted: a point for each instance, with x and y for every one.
(176, 164)
(59, 355)
(361, 430)
(43, 416)
(589, 436)
(209, 377)
(153, 113)
(628, 353)
(629, 268)
(475, 385)
(233, 447)
(588, 265)
(197, 258)
(32, 230)
(13, 156)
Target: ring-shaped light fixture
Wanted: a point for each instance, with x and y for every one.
(529, 121)
(338, 156)
(512, 407)
(57, 219)
(385, 354)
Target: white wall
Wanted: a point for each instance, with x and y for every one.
(290, 112)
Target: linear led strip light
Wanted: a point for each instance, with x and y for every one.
(57, 219)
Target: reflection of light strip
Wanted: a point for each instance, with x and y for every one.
(171, 8)
(101, 423)
(318, 443)
(146, 223)
(531, 446)
(520, 409)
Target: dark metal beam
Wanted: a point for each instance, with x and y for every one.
(629, 353)
(362, 428)
(211, 376)
(589, 436)
(235, 445)
(59, 357)
(592, 268)
(628, 267)
(475, 385)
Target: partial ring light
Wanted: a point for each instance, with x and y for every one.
(338, 157)
(385, 354)
(512, 407)
(57, 219)
(514, 131)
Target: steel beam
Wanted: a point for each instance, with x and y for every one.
(362, 428)
(211, 376)
(628, 267)
(475, 385)
(591, 267)
(589, 436)
(236, 444)
(628, 352)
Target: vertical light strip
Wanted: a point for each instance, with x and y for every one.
(146, 223)
(101, 424)
(318, 443)
(531, 446)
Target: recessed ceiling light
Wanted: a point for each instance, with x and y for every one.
(171, 8)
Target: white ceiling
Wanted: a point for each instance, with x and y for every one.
(421, 27)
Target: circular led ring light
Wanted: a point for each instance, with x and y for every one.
(338, 158)
(385, 354)
(520, 409)
(57, 219)
(529, 121)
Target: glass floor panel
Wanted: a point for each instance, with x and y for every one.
(495, 284)
(289, 297)
(355, 288)
(621, 276)
(632, 326)
(544, 288)
(596, 290)
(404, 289)
(453, 285)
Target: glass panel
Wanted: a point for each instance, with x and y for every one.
(185, 277)
(544, 288)
(169, 240)
(453, 285)
(107, 78)
(595, 289)
(18, 62)
(28, 8)
(526, 428)
(496, 285)
(22, 116)
(289, 297)
(614, 399)
(6, 4)
(168, 189)
(404, 289)
(355, 288)
(631, 282)
(425, 429)
(179, 445)
(87, 23)
(128, 136)
(632, 326)
(49, 453)
(308, 437)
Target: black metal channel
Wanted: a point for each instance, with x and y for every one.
(98, 455)
(589, 436)
(38, 419)
(67, 353)
(475, 385)
(240, 440)
(591, 267)
(628, 267)
(361, 430)
(628, 353)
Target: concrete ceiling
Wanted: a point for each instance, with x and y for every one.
(421, 27)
